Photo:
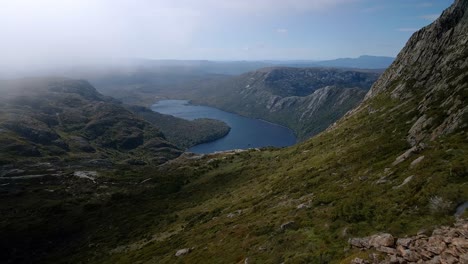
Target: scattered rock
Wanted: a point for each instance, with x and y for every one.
(387, 250)
(90, 175)
(408, 179)
(359, 242)
(182, 252)
(359, 261)
(234, 214)
(375, 241)
(404, 156)
(436, 245)
(382, 240)
(146, 180)
(289, 225)
(405, 242)
(416, 161)
(461, 209)
(445, 245)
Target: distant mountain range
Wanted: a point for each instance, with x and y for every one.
(362, 62)
(239, 67)
(193, 67)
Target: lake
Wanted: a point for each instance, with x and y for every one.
(245, 132)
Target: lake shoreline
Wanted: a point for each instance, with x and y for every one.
(245, 132)
(190, 102)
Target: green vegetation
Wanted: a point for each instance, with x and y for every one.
(182, 132)
(229, 207)
(68, 120)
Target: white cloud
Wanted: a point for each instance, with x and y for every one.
(281, 31)
(273, 5)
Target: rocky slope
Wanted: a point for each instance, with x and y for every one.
(307, 100)
(433, 66)
(444, 245)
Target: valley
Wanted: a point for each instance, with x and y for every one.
(306, 100)
(244, 133)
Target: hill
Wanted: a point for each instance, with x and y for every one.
(306, 100)
(183, 133)
(54, 118)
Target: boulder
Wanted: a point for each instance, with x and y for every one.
(416, 161)
(382, 240)
(436, 245)
(405, 242)
(359, 242)
(387, 250)
(359, 261)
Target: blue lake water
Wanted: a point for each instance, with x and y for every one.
(245, 132)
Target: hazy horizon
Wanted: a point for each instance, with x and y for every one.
(54, 33)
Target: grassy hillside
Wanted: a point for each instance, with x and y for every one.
(184, 133)
(68, 120)
(338, 185)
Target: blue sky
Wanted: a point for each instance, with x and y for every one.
(57, 31)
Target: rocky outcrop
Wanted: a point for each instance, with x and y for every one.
(445, 245)
(375, 241)
(285, 82)
(433, 68)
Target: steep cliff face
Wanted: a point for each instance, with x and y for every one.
(284, 82)
(307, 100)
(433, 69)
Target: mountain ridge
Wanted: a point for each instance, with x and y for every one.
(306, 100)
(361, 62)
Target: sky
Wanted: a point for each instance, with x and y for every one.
(80, 31)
